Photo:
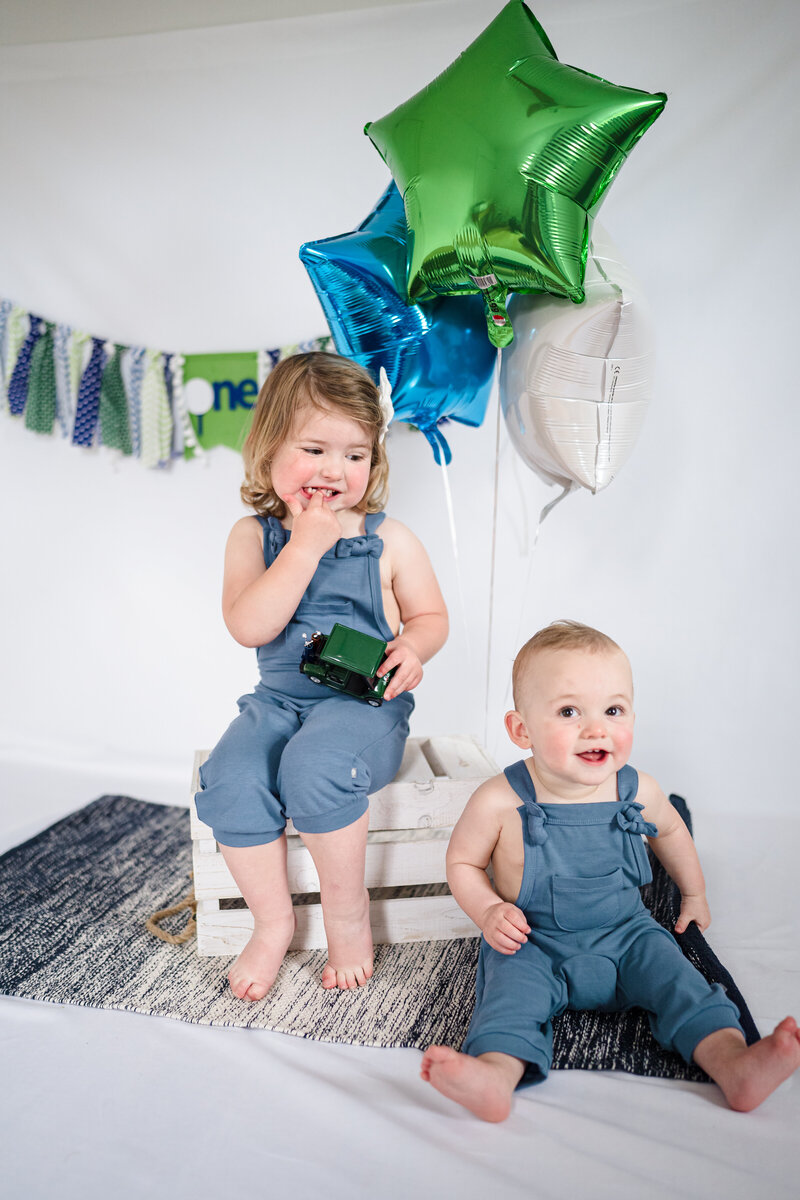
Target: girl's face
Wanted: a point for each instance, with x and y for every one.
(325, 452)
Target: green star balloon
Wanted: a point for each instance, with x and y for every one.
(503, 161)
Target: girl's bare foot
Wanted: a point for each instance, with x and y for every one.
(349, 946)
(748, 1074)
(253, 973)
(484, 1085)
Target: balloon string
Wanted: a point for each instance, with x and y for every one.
(490, 629)
(518, 641)
(451, 516)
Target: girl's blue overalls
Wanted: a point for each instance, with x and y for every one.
(298, 749)
(593, 944)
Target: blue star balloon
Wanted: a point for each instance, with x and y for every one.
(436, 355)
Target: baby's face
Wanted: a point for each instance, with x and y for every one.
(325, 452)
(577, 709)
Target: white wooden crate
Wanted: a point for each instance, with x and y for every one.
(409, 826)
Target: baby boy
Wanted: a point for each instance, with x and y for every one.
(563, 923)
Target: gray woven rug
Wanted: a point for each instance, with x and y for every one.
(75, 899)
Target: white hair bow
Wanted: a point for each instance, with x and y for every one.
(385, 401)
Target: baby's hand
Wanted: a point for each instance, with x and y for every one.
(315, 528)
(504, 927)
(693, 908)
(409, 669)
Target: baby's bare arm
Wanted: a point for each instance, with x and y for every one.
(471, 845)
(675, 849)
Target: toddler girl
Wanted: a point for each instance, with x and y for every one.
(316, 475)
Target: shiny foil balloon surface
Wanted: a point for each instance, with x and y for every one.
(436, 356)
(502, 161)
(575, 385)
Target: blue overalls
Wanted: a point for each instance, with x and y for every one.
(298, 749)
(593, 944)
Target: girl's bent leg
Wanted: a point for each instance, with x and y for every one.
(748, 1074)
(339, 857)
(484, 1085)
(260, 875)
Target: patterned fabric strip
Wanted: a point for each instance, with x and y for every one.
(88, 405)
(40, 411)
(136, 365)
(65, 403)
(156, 417)
(114, 426)
(5, 313)
(184, 436)
(18, 384)
(15, 336)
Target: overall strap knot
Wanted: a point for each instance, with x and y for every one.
(275, 537)
(359, 547)
(536, 820)
(630, 818)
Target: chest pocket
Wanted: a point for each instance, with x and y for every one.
(313, 615)
(585, 903)
(310, 616)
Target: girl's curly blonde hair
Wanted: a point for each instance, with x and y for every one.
(326, 381)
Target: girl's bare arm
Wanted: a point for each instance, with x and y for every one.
(423, 611)
(258, 602)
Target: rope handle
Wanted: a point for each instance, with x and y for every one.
(153, 922)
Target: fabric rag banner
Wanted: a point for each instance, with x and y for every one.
(145, 403)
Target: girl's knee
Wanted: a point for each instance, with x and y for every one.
(323, 789)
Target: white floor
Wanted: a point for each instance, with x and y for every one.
(99, 1104)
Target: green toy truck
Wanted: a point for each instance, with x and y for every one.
(346, 661)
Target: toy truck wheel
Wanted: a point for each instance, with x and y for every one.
(374, 703)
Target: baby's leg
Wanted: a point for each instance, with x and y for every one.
(339, 857)
(748, 1074)
(260, 874)
(484, 1084)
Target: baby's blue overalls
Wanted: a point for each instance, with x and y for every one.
(593, 944)
(297, 749)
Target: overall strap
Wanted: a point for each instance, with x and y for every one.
(533, 826)
(629, 817)
(533, 815)
(275, 538)
(627, 783)
(372, 521)
(519, 777)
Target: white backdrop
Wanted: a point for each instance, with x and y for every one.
(155, 189)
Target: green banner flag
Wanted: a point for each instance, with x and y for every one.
(220, 391)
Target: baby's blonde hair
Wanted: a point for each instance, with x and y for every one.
(559, 635)
(325, 381)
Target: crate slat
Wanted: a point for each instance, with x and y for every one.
(423, 919)
(390, 862)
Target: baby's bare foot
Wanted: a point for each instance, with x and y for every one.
(253, 973)
(482, 1086)
(759, 1069)
(349, 947)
